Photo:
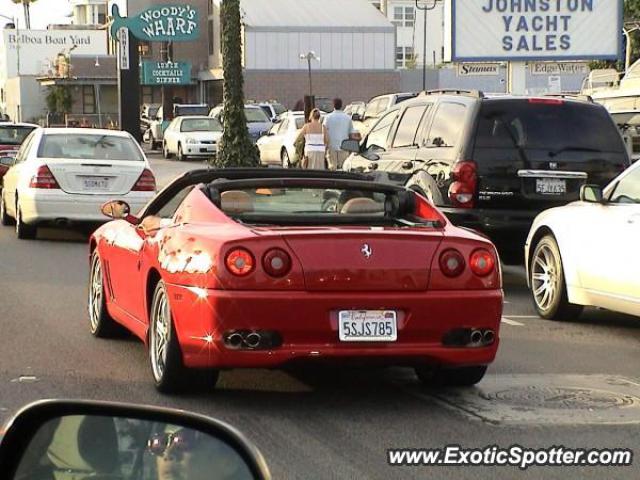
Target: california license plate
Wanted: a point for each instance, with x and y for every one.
(96, 183)
(368, 326)
(551, 186)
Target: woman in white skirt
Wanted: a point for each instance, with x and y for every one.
(315, 142)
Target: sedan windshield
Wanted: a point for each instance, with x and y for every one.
(201, 125)
(256, 115)
(88, 146)
(13, 135)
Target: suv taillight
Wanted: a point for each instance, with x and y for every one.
(44, 179)
(462, 191)
(146, 182)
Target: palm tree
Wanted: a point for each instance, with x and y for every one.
(25, 4)
(236, 149)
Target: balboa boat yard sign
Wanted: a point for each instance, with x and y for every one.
(163, 23)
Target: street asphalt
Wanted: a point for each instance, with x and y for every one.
(574, 384)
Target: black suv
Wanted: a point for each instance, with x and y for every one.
(492, 163)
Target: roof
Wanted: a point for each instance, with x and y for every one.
(85, 131)
(313, 14)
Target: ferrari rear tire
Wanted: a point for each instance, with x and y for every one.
(451, 377)
(24, 231)
(5, 219)
(101, 324)
(169, 373)
(548, 283)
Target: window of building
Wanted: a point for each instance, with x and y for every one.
(88, 99)
(404, 16)
(147, 94)
(404, 56)
(145, 48)
(211, 38)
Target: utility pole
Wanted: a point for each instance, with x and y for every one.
(428, 5)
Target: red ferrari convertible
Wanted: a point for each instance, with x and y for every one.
(260, 268)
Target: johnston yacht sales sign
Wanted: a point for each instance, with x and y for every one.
(520, 30)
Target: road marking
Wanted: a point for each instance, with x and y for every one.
(523, 316)
(512, 322)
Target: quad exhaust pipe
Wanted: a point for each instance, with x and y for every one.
(251, 339)
(470, 338)
(476, 337)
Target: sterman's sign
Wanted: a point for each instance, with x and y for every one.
(163, 23)
(494, 30)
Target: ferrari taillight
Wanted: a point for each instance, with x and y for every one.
(240, 262)
(452, 263)
(44, 179)
(276, 262)
(146, 182)
(482, 262)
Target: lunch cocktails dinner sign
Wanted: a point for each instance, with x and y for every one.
(521, 30)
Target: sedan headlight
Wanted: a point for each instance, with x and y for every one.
(191, 140)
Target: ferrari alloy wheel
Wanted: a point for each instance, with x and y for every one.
(100, 322)
(286, 161)
(24, 231)
(451, 377)
(5, 219)
(548, 284)
(169, 373)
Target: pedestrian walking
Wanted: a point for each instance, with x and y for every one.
(339, 127)
(315, 142)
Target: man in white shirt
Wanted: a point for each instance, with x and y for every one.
(339, 128)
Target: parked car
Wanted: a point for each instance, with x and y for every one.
(585, 253)
(62, 176)
(13, 134)
(492, 163)
(155, 134)
(192, 136)
(257, 121)
(273, 109)
(378, 105)
(214, 238)
(148, 113)
(277, 147)
(356, 110)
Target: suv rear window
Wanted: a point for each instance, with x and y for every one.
(552, 125)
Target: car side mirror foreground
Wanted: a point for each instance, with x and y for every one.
(115, 441)
(352, 146)
(119, 210)
(591, 194)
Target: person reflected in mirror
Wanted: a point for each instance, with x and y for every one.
(316, 141)
(184, 454)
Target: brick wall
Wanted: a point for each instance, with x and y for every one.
(290, 86)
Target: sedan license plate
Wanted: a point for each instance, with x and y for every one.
(96, 183)
(551, 186)
(368, 326)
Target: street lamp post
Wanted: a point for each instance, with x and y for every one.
(311, 55)
(14, 20)
(428, 5)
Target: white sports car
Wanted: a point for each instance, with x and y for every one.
(63, 176)
(586, 253)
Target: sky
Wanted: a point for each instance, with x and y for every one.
(43, 13)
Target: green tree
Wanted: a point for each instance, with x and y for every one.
(236, 148)
(58, 99)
